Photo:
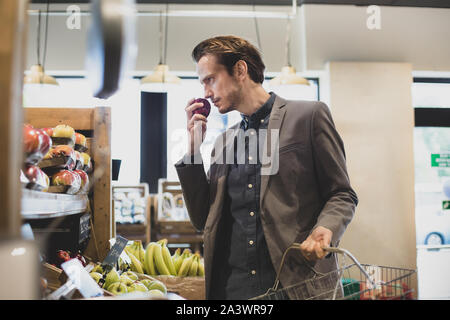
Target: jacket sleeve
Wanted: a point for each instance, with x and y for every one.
(339, 198)
(195, 185)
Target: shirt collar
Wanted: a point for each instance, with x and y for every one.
(259, 114)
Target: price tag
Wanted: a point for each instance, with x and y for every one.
(114, 253)
(84, 227)
(81, 279)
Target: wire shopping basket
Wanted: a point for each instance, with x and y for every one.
(348, 282)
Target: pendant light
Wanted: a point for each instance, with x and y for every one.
(288, 75)
(37, 74)
(161, 72)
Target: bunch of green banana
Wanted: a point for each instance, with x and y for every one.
(157, 259)
(136, 264)
(190, 264)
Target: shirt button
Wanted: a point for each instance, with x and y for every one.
(250, 186)
(252, 133)
(253, 272)
(252, 214)
(251, 242)
(262, 120)
(250, 158)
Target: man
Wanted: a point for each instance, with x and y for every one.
(250, 215)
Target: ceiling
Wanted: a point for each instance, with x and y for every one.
(402, 3)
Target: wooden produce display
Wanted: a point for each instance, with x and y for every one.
(95, 125)
(176, 231)
(127, 200)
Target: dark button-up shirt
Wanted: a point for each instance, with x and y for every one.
(246, 269)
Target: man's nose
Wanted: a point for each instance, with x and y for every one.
(208, 93)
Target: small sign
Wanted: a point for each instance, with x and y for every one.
(81, 279)
(440, 160)
(114, 253)
(446, 205)
(84, 227)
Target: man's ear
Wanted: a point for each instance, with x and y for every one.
(240, 69)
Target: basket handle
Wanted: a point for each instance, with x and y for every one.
(296, 245)
(347, 253)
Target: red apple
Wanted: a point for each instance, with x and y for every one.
(80, 139)
(205, 109)
(46, 142)
(63, 178)
(49, 131)
(31, 139)
(37, 177)
(84, 180)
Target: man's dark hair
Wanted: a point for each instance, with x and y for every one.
(230, 49)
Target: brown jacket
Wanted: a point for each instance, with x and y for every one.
(311, 188)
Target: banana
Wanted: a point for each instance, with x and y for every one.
(185, 266)
(136, 265)
(194, 266)
(177, 253)
(149, 262)
(168, 259)
(141, 252)
(201, 269)
(177, 263)
(159, 261)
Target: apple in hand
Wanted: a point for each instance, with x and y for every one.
(205, 109)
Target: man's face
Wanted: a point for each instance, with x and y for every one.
(223, 89)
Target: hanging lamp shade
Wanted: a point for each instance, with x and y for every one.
(38, 76)
(288, 76)
(161, 74)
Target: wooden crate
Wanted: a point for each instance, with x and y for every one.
(95, 124)
(177, 232)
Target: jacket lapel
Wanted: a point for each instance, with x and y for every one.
(275, 121)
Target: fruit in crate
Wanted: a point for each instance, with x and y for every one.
(97, 268)
(61, 257)
(58, 157)
(205, 109)
(96, 276)
(84, 180)
(31, 139)
(67, 179)
(126, 280)
(111, 277)
(80, 257)
(80, 142)
(48, 130)
(136, 265)
(87, 164)
(79, 162)
(137, 286)
(156, 293)
(36, 144)
(155, 285)
(130, 274)
(35, 178)
(117, 288)
(63, 134)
